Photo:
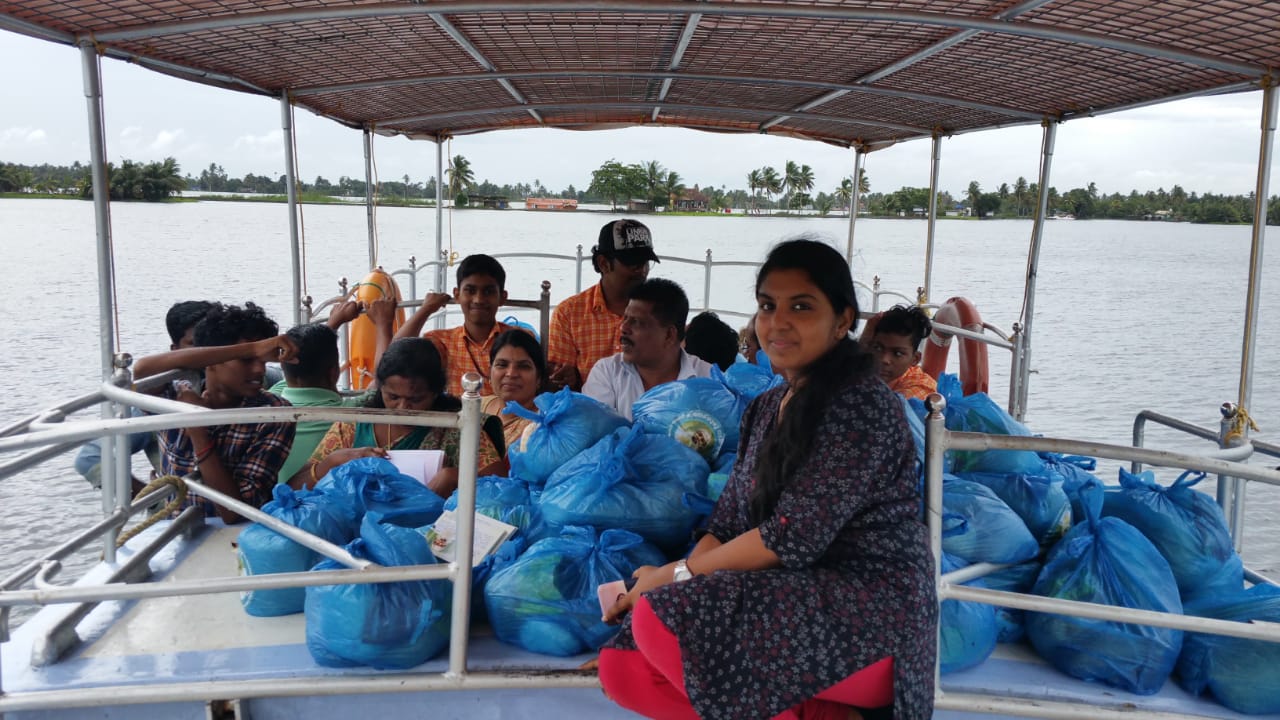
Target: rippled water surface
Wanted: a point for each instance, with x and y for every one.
(1128, 315)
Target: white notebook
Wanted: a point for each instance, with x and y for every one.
(421, 465)
(489, 534)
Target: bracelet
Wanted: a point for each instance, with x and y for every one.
(202, 455)
(314, 479)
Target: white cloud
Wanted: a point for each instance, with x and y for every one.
(268, 141)
(165, 140)
(22, 135)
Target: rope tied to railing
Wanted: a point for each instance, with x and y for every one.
(180, 495)
(1240, 421)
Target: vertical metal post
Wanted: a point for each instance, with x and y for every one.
(291, 187)
(92, 80)
(577, 275)
(1033, 261)
(368, 196)
(469, 446)
(853, 202)
(413, 278)
(122, 377)
(935, 446)
(1227, 486)
(706, 283)
(933, 215)
(1269, 98)
(1015, 372)
(439, 213)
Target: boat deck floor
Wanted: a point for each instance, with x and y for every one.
(205, 637)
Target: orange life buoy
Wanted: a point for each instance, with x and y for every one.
(363, 340)
(975, 373)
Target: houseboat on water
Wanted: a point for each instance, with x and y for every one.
(550, 204)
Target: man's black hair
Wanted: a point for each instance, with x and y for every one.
(670, 304)
(908, 320)
(711, 339)
(230, 324)
(183, 316)
(482, 265)
(317, 355)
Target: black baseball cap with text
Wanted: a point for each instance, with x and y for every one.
(627, 240)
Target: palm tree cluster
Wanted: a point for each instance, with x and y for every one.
(136, 181)
(793, 185)
(461, 177)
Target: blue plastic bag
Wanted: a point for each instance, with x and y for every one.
(1107, 561)
(629, 480)
(1038, 499)
(1011, 622)
(1075, 472)
(701, 413)
(516, 322)
(260, 551)
(508, 500)
(567, 424)
(980, 527)
(979, 413)
(748, 381)
(1242, 674)
(372, 484)
(1185, 525)
(384, 625)
(546, 601)
(967, 630)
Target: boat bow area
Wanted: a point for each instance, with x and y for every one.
(857, 74)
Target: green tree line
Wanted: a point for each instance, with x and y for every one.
(613, 183)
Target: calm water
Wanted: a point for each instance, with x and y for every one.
(1128, 315)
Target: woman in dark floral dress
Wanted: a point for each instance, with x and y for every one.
(812, 594)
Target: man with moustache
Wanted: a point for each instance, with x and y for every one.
(653, 327)
(584, 328)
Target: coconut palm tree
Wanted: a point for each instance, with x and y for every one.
(974, 193)
(772, 182)
(461, 176)
(864, 184)
(844, 193)
(803, 183)
(755, 181)
(791, 180)
(1022, 195)
(671, 188)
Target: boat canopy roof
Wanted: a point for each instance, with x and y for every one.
(863, 74)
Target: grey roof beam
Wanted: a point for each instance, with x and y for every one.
(704, 77)
(915, 57)
(606, 105)
(686, 37)
(681, 7)
(23, 27)
(465, 43)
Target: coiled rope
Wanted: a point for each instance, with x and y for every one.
(1240, 421)
(179, 496)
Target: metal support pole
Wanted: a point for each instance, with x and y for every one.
(1269, 98)
(469, 445)
(706, 283)
(853, 202)
(368, 196)
(439, 214)
(123, 490)
(1226, 486)
(933, 216)
(106, 269)
(291, 187)
(1033, 262)
(1015, 372)
(577, 272)
(935, 447)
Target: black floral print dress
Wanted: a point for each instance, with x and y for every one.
(856, 583)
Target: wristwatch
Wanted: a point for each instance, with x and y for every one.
(681, 571)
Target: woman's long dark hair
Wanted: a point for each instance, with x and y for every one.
(791, 442)
(415, 358)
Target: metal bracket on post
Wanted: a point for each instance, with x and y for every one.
(413, 277)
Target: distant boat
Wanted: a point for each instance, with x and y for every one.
(550, 204)
(1061, 217)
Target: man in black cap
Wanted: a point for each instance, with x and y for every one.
(585, 327)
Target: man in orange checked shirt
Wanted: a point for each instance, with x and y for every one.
(585, 327)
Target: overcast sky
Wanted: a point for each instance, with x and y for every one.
(1205, 144)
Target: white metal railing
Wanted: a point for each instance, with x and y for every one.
(938, 440)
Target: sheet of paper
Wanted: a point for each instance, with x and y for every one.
(489, 534)
(421, 465)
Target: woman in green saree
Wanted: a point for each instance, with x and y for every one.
(410, 377)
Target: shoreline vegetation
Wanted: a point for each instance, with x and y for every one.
(640, 188)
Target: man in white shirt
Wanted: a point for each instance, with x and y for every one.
(651, 337)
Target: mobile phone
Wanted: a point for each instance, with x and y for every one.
(610, 592)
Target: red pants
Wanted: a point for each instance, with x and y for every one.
(650, 681)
